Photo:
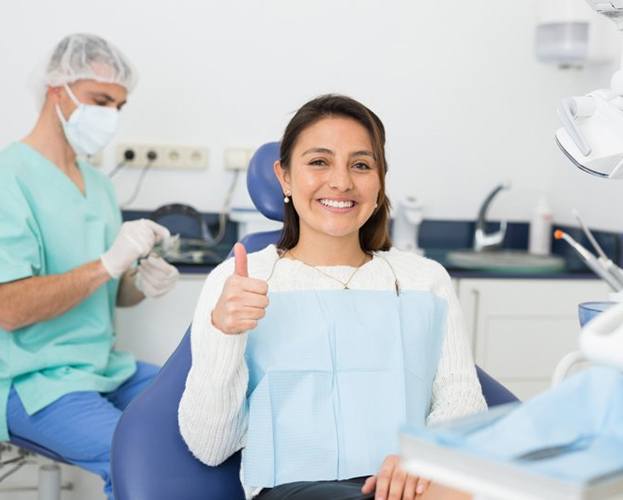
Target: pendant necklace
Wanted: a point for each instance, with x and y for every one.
(343, 283)
(282, 254)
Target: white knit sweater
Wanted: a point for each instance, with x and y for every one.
(212, 411)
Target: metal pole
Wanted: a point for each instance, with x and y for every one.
(50, 482)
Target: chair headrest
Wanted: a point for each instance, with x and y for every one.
(262, 183)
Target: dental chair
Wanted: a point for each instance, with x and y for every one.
(49, 479)
(150, 460)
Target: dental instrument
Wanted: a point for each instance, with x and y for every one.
(166, 245)
(615, 271)
(592, 132)
(590, 260)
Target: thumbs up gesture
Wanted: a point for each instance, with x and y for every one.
(243, 300)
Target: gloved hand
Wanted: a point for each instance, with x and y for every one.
(135, 239)
(155, 276)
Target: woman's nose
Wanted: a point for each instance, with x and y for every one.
(340, 178)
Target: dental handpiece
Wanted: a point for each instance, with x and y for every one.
(164, 247)
(590, 260)
(606, 262)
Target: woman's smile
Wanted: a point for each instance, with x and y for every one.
(337, 205)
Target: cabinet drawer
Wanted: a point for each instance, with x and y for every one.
(525, 347)
(520, 329)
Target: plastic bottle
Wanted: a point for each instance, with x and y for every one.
(406, 224)
(540, 239)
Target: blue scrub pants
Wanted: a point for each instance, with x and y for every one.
(79, 426)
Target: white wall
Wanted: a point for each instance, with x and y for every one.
(463, 99)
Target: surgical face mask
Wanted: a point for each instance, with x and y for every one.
(89, 128)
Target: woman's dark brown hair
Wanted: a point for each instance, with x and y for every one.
(374, 234)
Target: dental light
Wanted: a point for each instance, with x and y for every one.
(592, 132)
(592, 138)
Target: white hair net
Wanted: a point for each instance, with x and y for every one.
(83, 56)
(88, 57)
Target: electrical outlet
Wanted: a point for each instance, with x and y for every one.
(237, 158)
(130, 155)
(162, 156)
(196, 157)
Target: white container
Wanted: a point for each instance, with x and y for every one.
(540, 238)
(562, 43)
(251, 220)
(406, 224)
(570, 34)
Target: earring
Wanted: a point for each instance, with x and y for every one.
(286, 198)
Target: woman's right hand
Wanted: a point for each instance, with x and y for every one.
(243, 300)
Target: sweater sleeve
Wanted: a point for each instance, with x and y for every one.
(456, 389)
(212, 414)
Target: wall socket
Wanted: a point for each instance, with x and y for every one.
(162, 156)
(237, 158)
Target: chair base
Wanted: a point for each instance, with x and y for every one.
(49, 484)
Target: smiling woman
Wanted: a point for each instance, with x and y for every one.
(333, 153)
(309, 355)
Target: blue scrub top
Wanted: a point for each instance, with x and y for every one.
(47, 226)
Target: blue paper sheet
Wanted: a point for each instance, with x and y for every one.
(573, 432)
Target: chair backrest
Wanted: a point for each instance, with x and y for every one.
(262, 183)
(150, 460)
(495, 393)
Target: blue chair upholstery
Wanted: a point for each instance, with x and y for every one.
(262, 183)
(495, 393)
(26, 444)
(150, 460)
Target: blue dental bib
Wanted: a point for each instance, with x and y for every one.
(333, 374)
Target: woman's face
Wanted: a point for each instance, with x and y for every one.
(333, 177)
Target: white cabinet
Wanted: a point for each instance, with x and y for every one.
(520, 329)
(153, 329)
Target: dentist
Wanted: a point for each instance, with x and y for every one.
(66, 261)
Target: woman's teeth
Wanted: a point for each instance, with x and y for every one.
(337, 204)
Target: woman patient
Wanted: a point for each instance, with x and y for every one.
(309, 355)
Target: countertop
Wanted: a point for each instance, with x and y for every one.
(437, 237)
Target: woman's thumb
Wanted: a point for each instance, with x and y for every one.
(240, 256)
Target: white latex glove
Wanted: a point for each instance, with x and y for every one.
(135, 239)
(155, 276)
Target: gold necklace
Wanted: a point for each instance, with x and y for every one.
(343, 283)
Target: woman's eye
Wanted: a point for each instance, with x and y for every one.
(101, 103)
(318, 163)
(361, 166)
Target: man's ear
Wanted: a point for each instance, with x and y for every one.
(53, 94)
